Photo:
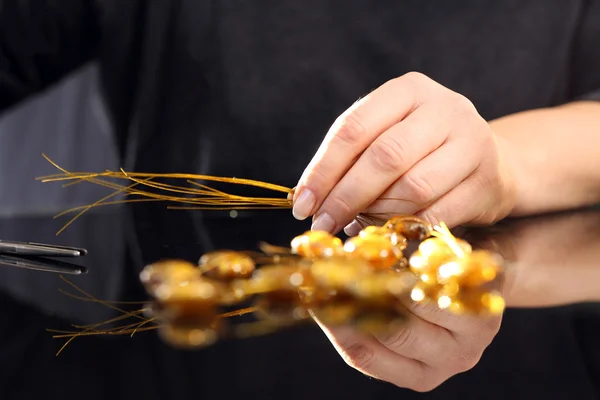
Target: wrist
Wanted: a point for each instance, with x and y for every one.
(514, 179)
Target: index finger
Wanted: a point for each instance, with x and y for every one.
(351, 134)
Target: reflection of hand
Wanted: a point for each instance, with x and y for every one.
(553, 260)
(430, 348)
(417, 143)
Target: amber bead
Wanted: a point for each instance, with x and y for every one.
(377, 250)
(227, 264)
(411, 227)
(317, 244)
(396, 239)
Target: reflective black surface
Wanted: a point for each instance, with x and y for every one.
(549, 350)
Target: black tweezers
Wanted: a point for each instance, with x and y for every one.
(34, 256)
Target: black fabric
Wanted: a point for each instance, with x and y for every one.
(248, 88)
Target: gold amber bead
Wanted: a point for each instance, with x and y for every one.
(435, 246)
(317, 244)
(396, 239)
(411, 227)
(227, 264)
(377, 250)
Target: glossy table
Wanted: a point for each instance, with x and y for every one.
(547, 346)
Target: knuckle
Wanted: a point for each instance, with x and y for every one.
(464, 109)
(349, 129)
(316, 178)
(403, 338)
(431, 214)
(465, 361)
(418, 190)
(359, 356)
(388, 154)
(340, 205)
(417, 78)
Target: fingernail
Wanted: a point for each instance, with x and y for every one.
(352, 229)
(323, 222)
(304, 204)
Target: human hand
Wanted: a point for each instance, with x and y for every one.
(410, 147)
(431, 347)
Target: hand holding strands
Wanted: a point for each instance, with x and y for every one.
(169, 188)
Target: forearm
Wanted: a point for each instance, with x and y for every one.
(556, 156)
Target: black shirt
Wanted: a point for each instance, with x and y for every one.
(233, 87)
(249, 88)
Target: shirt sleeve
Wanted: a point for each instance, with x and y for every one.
(41, 41)
(585, 74)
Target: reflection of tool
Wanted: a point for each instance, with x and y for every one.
(35, 256)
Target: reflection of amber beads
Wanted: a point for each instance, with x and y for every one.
(316, 244)
(185, 337)
(383, 285)
(379, 320)
(335, 313)
(378, 251)
(376, 318)
(273, 278)
(276, 308)
(227, 264)
(338, 273)
(411, 227)
(432, 253)
(168, 272)
(475, 301)
(476, 269)
(192, 301)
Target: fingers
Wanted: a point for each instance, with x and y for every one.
(387, 158)
(423, 341)
(470, 331)
(367, 355)
(419, 355)
(473, 200)
(424, 183)
(351, 134)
